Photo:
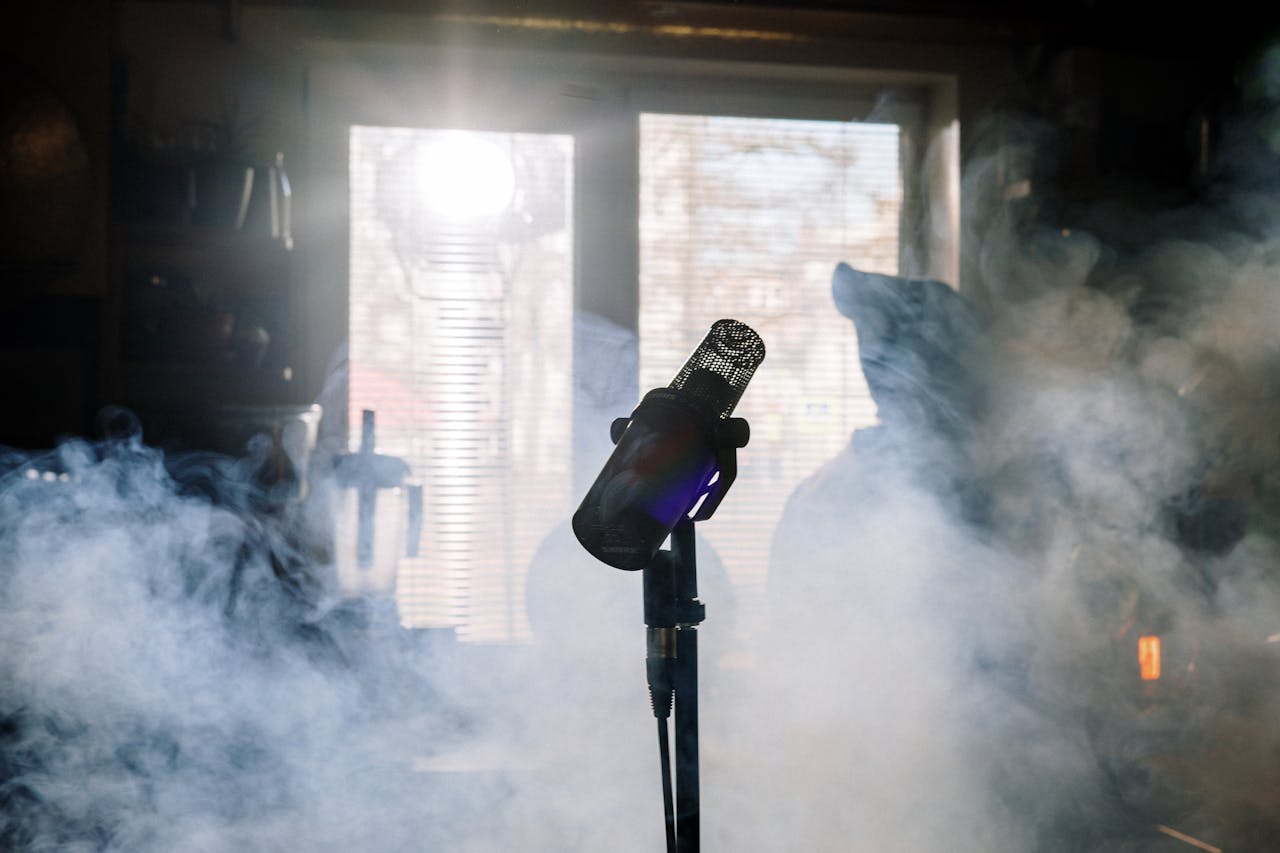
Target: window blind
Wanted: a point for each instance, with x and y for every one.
(460, 341)
(747, 218)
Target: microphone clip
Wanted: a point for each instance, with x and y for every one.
(727, 436)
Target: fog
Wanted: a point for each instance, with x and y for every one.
(949, 660)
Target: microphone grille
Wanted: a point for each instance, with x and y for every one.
(718, 371)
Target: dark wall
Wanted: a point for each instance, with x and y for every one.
(54, 128)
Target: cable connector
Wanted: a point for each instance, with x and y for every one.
(660, 690)
(660, 653)
(660, 700)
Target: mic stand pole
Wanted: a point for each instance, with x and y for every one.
(672, 614)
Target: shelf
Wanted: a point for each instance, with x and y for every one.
(213, 259)
(204, 321)
(156, 235)
(194, 386)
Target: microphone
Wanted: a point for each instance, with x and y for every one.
(670, 451)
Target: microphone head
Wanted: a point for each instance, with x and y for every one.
(717, 373)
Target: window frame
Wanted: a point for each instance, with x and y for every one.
(598, 100)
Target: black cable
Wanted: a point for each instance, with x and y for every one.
(668, 804)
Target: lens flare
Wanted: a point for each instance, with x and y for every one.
(464, 176)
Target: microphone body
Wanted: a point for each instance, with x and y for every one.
(668, 455)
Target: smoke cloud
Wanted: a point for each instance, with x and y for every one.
(949, 660)
(958, 614)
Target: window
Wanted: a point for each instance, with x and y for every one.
(460, 310)
(625, 206)
(747, 217)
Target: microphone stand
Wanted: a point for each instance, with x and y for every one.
(672, 614)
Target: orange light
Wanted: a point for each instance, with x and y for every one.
(1149, 658)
